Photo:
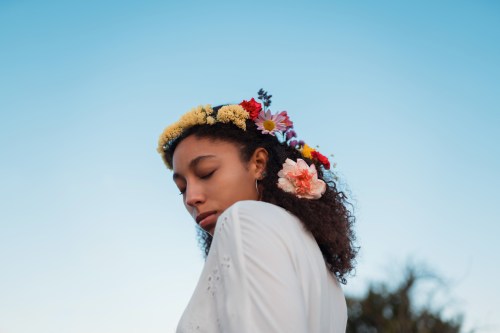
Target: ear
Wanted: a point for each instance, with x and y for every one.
(258, 162)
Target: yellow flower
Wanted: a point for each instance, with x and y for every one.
(187, 119)
(170, 133)
(233, 114)
(201, 115)
(208, 109)
(195, 116)
(306, 151)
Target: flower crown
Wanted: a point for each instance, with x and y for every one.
(278, 125)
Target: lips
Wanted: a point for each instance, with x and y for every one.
(201, 216)
(206, 219)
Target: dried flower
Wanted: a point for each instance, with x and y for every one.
(235, 114)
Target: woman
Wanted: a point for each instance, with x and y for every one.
(276, 233)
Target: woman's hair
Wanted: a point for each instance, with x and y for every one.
(328, 218)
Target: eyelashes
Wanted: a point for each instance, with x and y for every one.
(208, 175)
(204, 177)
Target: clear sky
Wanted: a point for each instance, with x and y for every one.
(93, 235)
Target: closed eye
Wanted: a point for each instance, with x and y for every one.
(182, 191)
(208, 175)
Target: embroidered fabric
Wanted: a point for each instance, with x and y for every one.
(264, 273)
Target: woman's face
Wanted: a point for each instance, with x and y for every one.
(211, 177)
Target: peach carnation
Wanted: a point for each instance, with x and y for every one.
(301, 179)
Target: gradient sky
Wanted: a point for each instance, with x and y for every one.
(93, 235)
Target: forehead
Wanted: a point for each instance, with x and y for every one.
(193, 147)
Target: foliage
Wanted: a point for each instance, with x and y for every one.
(393, 310)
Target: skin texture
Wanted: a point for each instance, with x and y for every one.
(211, 176)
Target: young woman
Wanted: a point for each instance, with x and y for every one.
(276, 232)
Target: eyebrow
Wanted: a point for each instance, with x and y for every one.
(194, 162)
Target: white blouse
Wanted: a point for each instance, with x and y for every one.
(264, 273)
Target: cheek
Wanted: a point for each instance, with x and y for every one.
(231, 183)
(241, 187)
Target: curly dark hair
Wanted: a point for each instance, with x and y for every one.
(328, 219)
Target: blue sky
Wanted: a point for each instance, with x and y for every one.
(93, 236)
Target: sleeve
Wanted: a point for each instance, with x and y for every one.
(258, 289)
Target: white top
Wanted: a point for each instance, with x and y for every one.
(264, 273)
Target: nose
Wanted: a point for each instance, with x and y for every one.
(194, 196)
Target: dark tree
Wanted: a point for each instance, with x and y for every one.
(392, 310)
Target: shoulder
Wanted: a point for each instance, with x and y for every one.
(256, 222)
(259, 213)
(252, 204)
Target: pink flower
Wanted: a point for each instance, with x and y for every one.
(269, 123)
(301, 179)
(287, 121)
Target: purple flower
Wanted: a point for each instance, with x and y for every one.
(291, 134)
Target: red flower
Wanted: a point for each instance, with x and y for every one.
(252, 107)
(321, 158)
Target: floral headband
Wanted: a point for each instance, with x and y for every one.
(278, 125)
